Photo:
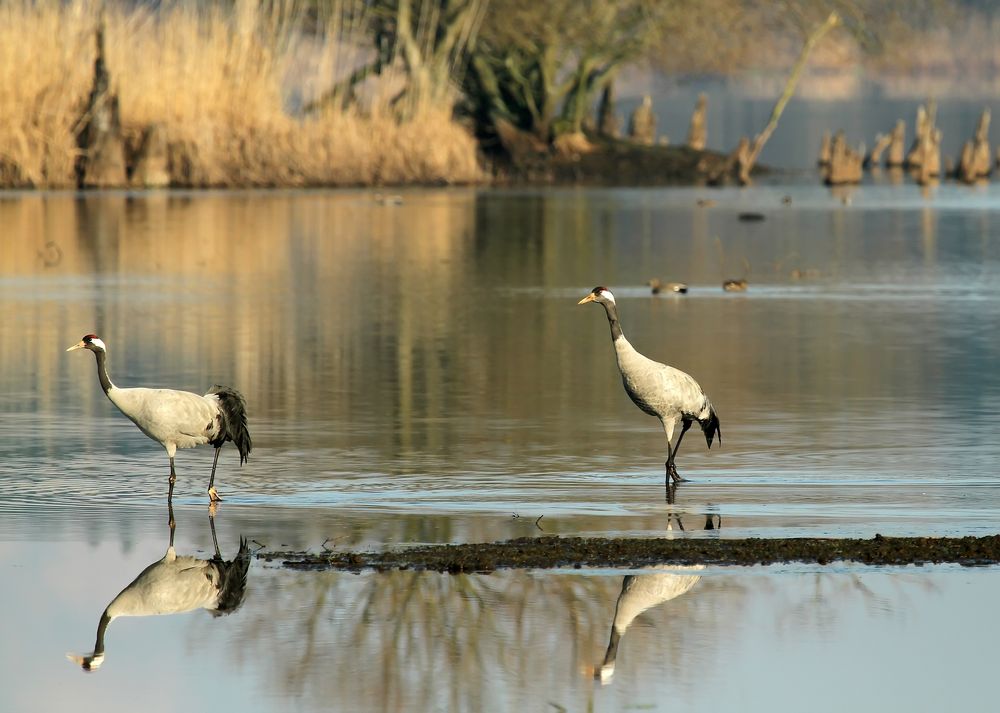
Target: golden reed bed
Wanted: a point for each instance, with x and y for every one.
(223, 83)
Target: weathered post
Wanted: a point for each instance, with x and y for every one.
(101, 163)
(897, 145)
(698, 132)
(642, 123)
(874, 158)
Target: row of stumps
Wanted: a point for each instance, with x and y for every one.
(105, 160)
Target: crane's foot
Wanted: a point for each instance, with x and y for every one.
(213, 495)
(673, 475)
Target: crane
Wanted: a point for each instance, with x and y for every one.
(659, 390)
(178, 419)
(173, 585)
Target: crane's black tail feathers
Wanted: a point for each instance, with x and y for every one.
(234, 420)
(711, 426)
(232, 580)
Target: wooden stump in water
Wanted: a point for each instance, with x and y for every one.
(642, 123)
(845, 163)
(698, 132)
(975, 162)
(927, 167)
(897, 145)
(923, 141)
(874, 157)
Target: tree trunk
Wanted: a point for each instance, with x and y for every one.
(793, 79)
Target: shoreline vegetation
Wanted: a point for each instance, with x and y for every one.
(208, 84)
(303, 93)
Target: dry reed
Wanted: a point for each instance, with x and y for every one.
(222, 82)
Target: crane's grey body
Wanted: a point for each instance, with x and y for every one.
(658, 389)
(178, 419)
(670, 394)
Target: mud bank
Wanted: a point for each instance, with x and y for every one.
(618, 163)
(550, 552)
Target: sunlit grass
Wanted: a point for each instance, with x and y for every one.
(220, 81)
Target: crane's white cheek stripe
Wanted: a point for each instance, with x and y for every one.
(608, 296)
(98, 343)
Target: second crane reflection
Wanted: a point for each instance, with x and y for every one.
(641, 592)
(173, 585)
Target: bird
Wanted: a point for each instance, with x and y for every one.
(671, 395)
(641, 592)
(173, 585)
(739, 285)
(178, 419)
(658, 287)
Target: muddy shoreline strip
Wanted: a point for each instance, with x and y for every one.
(550, 552)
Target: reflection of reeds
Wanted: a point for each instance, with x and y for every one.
(219, 80)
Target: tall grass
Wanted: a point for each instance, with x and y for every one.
(221, 81)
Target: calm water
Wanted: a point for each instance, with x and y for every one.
(421, 373)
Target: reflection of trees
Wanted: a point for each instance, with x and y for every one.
(511, 640)
(413, 640)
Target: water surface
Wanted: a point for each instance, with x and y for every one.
(421, 372)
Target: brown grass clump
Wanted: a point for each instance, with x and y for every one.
(222, 82)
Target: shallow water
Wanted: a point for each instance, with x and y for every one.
(687, 639)
(421, 373)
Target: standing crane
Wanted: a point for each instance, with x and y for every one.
(659, 390)
(178, 419)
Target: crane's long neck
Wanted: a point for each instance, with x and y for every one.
(616, 330)
(612, 652)
(102, 370)
(93, 660)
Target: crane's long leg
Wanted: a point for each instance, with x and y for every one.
(213, 494)
(172, 480)
(671, 467)
(668, 429)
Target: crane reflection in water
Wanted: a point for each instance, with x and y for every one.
(173, 585)
(641, 592)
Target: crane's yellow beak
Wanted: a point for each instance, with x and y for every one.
(78, 345)
(589, 298)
